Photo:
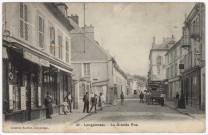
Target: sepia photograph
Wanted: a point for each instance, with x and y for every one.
(103, 67)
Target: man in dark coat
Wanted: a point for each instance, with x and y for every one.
(86, 102)
(141, 96)
(181, 103)
(94, 103)
(49, 107)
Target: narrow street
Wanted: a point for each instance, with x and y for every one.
(134, 111)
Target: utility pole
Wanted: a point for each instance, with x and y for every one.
(84, 27)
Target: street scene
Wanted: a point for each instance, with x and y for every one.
(103, 67)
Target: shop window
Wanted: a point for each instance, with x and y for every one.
(60, 46)
(41, 31)
(33, 91)
(86, 67)
(24, 21)
(52, 40)
(67, 51)
(50, 83)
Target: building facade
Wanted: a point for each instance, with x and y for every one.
(174, 57)
(95, 69)
(36, 59)
(193, 77)
(157, 70)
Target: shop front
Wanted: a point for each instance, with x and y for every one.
(26, 79)
(191, 87)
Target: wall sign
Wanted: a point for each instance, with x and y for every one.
(23, 98)
(36, 59)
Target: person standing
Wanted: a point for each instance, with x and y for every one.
(176, 100)
(48, 104)
(86, 103)
(101, 101)
(162, 99)
(70, 99)
(94, 103)
(141, 96)
(181, 103)
(122, 98)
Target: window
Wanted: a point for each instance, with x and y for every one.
(24, 21)
(158, 70)
(159, 59)
(86, 69)
(52, 40)
(67, 51)
(41, 31)
(60, 46)
(167, 73)
(176, 69)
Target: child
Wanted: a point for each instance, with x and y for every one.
(65, 107)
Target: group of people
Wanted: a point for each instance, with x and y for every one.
(49, 101)
(93, 102)
(179, 101)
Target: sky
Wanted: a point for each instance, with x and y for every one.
(127, 29)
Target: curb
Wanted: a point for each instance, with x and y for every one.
(89, 114)
(185, 113)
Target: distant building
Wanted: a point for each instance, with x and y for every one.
(157, 71)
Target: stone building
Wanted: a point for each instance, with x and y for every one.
(193, 40)
(36, 59)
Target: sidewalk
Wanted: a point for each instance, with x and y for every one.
(70, 118)
(192, 112)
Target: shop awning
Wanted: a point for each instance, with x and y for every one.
(62, 69)
(4, 53)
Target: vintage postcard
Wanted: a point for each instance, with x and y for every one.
(103, 67)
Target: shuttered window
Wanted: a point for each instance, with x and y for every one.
(67, 51)
(24, 21)
(41, 31)
(52, 40)
(60, 46)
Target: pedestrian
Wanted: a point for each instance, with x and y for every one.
(86, 103)
(91, 96)
(48, 104)
(122, 98)
(94, 103)
(101, 101)
(176, 100)
(141, 96)
(65, 103)
(162, 99)
(70, 99)
(181, 103)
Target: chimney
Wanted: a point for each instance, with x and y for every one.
(62, 7)
(89, 31)
(75, 18)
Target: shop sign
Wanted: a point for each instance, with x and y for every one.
(10, 97)
(36, 59)
(23, 98)
(39, 96)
